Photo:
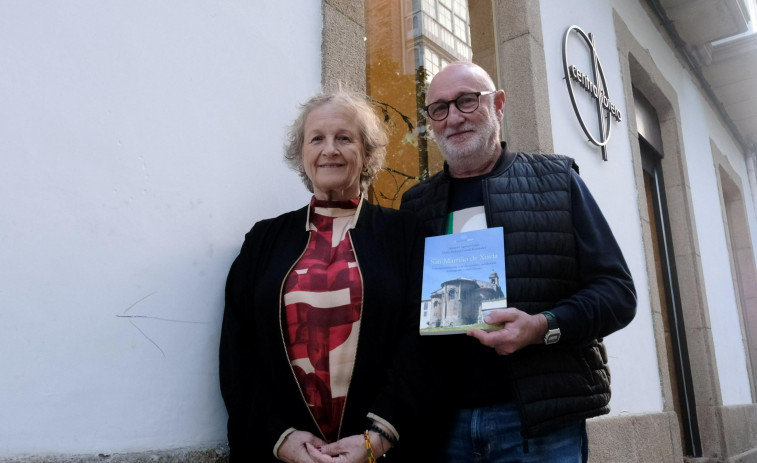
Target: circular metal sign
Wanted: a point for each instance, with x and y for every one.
(595, 85)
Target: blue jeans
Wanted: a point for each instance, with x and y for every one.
(492, 435)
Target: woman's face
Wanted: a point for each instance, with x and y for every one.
(332, 153)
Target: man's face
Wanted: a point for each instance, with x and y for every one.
(466, 140)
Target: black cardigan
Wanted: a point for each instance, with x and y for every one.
(258, 385)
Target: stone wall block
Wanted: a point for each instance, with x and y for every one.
(649, 438)
(523, 77)
(517, 18)
(342, 51)
(352, 9)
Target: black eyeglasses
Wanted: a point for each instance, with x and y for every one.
(465, 103)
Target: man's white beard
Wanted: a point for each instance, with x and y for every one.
(469, 154)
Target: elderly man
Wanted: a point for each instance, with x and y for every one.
(521, 393)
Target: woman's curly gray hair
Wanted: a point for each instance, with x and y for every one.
(372, 135)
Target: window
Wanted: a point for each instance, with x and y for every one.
(448, 40)
(666, 275)
(431, 61)
(445, 17)
(407, 43)
(429, 7)
(460, 29)
(461, 9)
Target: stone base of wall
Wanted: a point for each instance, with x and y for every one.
(655, 437)
(648, 438)
(218, 454)
(739, 433)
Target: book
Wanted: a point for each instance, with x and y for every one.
(463, 280)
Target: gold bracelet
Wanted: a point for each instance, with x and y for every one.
(389, 438)
(368, 448)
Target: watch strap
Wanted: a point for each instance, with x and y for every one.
(553, 328)
(551, 320)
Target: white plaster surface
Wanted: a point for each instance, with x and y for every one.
(633, 360)
(699, 125)
(631, 351)
(721, 298)
(139, 141)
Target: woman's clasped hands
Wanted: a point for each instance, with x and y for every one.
(294, 448)
(350, 449)
(304, 447)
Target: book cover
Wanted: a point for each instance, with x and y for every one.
(463, 279)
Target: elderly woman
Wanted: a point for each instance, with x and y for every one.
(319, 348)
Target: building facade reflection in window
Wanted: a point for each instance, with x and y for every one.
(407, 43)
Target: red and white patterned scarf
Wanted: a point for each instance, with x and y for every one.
(322, 305)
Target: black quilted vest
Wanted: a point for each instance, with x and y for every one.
(530, 199)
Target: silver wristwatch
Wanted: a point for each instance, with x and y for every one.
(553, 330)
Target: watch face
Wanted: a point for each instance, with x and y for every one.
(552, 338)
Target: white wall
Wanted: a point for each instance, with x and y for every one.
(725, 320)
(139, 141)
(632, 351)
(699, 125)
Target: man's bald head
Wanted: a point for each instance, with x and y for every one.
(457, 68)
(468, 140)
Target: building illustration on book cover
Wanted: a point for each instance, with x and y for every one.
(462, 301)
(463, 280)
